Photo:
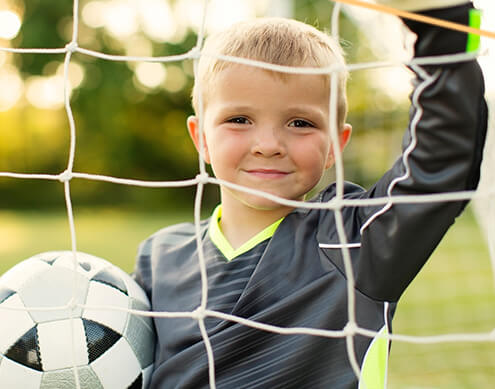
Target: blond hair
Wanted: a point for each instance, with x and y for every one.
(276, 41)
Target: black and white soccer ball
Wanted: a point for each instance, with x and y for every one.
(42, 347)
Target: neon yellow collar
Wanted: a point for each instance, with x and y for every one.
(219, 240)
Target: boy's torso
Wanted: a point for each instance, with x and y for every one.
(287, 281)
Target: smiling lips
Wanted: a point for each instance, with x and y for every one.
(267, 173)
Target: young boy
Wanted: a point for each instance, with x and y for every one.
(283, 266)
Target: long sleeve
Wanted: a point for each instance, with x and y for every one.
(442, 151)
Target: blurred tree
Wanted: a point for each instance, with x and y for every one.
(128, 129)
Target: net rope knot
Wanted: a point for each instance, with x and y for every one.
(203, 178)
(350, 328)
(65, 176)
(195, 52)
(71, 47)
(336, 203)
(198, 314)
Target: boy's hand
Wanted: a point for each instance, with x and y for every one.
(421, 5)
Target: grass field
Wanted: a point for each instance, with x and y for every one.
(111, 234)
(453, 294)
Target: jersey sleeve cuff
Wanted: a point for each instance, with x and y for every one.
(434, 41)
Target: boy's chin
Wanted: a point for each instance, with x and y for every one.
(263, 204)
(259, 203)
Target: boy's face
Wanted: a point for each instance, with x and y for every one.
(268, 133)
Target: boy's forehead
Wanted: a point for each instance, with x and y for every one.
(237, 82)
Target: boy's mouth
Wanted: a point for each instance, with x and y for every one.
(267, 173)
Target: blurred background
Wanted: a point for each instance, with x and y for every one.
(130, 116)
(130, 122)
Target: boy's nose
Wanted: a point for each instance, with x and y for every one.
(268, 142)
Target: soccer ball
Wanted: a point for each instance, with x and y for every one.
(54, 327)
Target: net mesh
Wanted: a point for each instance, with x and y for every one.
(483, 197)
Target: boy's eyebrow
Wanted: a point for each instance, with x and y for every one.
(290, 110)
(308, 109)
(318, 115)
(236, 107)
(228, 109)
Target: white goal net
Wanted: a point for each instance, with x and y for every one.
(418, 344)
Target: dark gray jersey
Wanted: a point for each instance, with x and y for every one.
(297, 277)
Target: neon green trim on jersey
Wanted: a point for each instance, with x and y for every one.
(219, 240)
(374, 369)
(473, 40)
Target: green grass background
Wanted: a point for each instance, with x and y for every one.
(454, 293)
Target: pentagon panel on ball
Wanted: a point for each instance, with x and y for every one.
(66, 324)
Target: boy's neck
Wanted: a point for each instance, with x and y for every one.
(239, 222)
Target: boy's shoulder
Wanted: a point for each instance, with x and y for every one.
(350, 190)
(163, 241)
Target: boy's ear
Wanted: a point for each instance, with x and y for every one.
(344, 137)
(193, 128)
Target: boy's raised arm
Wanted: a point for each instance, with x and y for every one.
(442, 151)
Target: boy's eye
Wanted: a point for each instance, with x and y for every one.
(300, 123)
(238, 120)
